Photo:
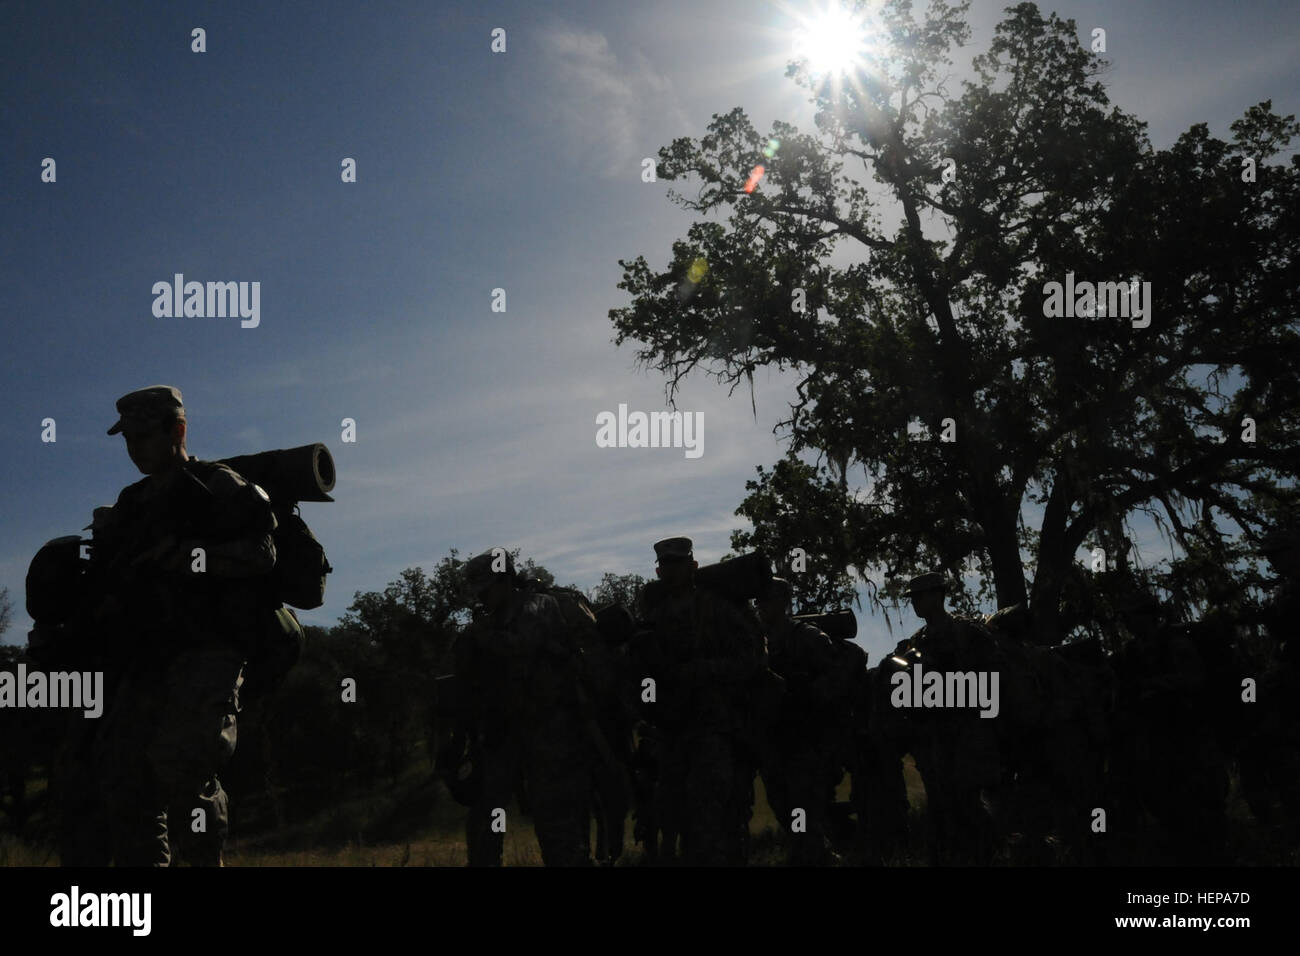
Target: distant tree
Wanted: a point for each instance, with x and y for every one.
(961, 208)
(618, 589)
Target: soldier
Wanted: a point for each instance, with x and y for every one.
(707, 657)
(879, 790)
(182, 560)
(613, 691)
(527, 722)
(954, 748)
(1168, 767)
(1052, 730)
(1270, 752)
(803, 759)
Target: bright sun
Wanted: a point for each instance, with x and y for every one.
(833, 41)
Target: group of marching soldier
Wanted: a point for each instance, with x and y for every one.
(1091, 756)
(670, 710)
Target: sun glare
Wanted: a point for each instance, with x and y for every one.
(833, 41)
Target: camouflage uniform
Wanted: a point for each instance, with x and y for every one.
(706, 656)
(612, 691)
(956, 750)
(879, 791)
(803, 762)
(1169, 772)
(1052, 731)
(527, 728)
(180, 639)
(1268, 751)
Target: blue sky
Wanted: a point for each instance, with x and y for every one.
(476, 171)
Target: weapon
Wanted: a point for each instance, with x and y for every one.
(737, 579)
(289, 475)
(841, 624)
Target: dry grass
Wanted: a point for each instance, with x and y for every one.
(437, 838)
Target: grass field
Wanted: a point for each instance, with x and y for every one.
(416, 825)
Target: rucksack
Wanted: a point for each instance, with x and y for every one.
(578, 615)
(288, 476)
(300, 562)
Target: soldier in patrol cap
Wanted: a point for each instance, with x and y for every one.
(705, 654)
(521, 664)
(802, 760)
(675, 559)
(927, 592)
(956, 751)
(1269, 757)
(1168, 768)
(182, 560)
(490, 577)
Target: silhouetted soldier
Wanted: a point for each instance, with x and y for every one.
(183, 557)
(613, 691)
(879, 795)
(1167, 762)
(706, 656)
(955, 749)
(1269, 751)
(802, 762)
(521, 665)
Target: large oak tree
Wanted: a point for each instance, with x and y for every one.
(952, 211)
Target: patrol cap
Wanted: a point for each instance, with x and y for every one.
(674, 549)
(147, 407)
(930, 581)
(479, 571)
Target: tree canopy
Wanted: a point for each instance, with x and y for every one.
(1047, 434)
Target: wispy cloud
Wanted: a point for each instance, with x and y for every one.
(613, 105)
